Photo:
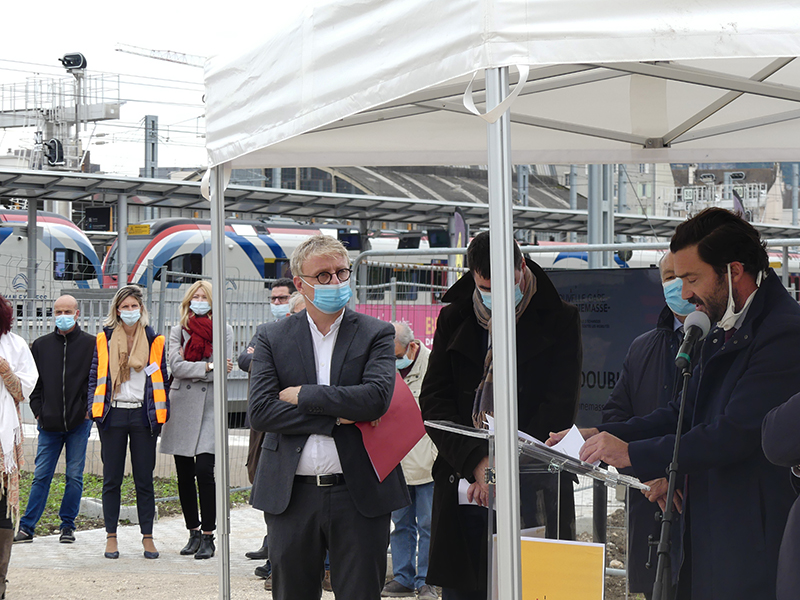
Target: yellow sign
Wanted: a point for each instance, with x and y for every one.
(556, 569)
(561, 570)
(138, 229)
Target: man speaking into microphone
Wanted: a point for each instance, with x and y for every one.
(735, 501)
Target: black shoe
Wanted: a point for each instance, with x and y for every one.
(151, 554)
(264, 571)
(23, 537)
(395, 589)
(207, 547)
(193, 544)
(115, 553)
(67, 535)
(260, 554)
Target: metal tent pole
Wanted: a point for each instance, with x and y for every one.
(220, 380)
(122, 241)
(595, 215)
(504, 340)
(33, 236)
(573, 197)
(795, 184)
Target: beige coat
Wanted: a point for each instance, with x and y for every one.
(418, 463)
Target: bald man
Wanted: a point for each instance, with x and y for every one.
(59, 404)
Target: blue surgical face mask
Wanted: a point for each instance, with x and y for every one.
(199, 307)
(130, 317)
(403, 363)
(330, 299)
(279, 311)
(65, 322)
(486, 297)
(672, 294)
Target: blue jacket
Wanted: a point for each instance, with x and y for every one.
(648, 381)
(152, 422)
(737, 502)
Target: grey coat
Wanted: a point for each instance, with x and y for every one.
(190, 429)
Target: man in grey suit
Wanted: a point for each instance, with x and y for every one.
(313, 375)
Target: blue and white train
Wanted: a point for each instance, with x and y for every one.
(65, 257)
(261, 250)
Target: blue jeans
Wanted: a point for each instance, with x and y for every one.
(410, 524)
(48, 449)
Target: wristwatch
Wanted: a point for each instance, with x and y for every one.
(209, 366)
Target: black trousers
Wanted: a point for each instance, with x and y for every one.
(196, 478)
(122, 426)
(319, 519)
(5, 519)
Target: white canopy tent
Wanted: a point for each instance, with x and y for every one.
(350, 82)
(381, 83)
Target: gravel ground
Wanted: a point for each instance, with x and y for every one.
(45, 569)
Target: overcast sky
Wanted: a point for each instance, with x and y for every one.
(36, 35)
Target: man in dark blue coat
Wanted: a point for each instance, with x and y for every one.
(735, 501)
(648, 382)
(64, 358)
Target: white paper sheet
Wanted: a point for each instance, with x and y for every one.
(570, 444)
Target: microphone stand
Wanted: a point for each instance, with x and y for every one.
(662, 588)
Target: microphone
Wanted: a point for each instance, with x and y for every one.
(696, 328)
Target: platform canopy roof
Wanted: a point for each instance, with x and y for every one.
(303, 205)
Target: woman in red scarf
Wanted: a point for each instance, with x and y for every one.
(189, 433)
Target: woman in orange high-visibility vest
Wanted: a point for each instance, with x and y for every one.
(129, 402)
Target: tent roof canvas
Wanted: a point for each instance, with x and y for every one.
(381, 83)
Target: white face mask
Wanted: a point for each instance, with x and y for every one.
(728, 320)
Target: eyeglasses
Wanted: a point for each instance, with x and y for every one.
(279, 299)
(325, 278)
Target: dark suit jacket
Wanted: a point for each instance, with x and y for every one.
(256, 437)
(362, 382)
(737, 502)
(781, 444)
(648, 381)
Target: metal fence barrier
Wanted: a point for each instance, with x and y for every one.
(385, 286)
(247, 307)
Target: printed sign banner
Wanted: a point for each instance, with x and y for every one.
(616, 306)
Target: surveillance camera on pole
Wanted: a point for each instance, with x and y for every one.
(73, 61)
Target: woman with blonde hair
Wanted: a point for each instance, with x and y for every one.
(129, 402)
(189, 435)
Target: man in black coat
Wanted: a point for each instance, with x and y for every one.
(736, 502)
(548, 379)
(64, 358)
(649, 381)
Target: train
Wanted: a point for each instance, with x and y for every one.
(258, 250)
(65, 257)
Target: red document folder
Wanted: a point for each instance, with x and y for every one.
(398, 432)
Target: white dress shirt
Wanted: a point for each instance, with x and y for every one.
(320, 456)
(133, 389)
